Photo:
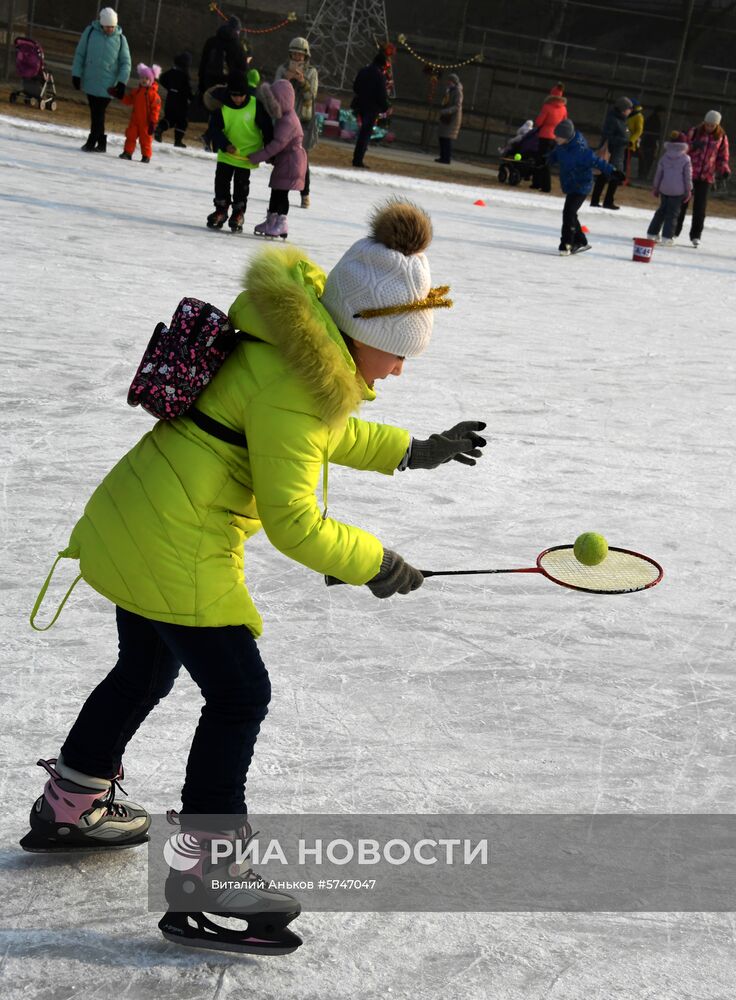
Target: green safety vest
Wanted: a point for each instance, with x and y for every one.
(243, 133)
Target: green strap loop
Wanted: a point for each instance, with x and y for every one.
(325, 466)
(42, 593)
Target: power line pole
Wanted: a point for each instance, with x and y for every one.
(678, 68)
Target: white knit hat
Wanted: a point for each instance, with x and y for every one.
(387, 270)
(713, 118)
(108, 17)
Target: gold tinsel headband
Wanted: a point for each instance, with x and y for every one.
(435, 300)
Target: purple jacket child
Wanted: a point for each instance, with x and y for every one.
(674, 171)
(285, 150)
(673, 185)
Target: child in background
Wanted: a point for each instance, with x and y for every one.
(673, 184)
(146, 104)
(178, 95)
(514, 141)
(286, 153)
(576, 160)
(238, 127)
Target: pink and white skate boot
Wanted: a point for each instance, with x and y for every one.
(262, 227)
(78, 812)
(278, 226)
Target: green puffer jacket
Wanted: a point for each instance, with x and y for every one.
(162, 535)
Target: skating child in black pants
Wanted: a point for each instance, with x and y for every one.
(238, 127)
(576, 161)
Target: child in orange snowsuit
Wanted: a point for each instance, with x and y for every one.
(146, 103)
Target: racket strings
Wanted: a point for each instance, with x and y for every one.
(618, 573)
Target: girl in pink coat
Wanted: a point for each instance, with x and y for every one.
(286, 153)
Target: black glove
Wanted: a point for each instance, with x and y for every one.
(76, 83)
(460, 443)
(394, 577)
(618, 175)
(117, 91)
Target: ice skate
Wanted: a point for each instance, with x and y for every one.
(236, 218)
(78, 812)
(564, 250)
(89, 146)
(145, 159)
(277, 227)
(695, 243)
(654, 236)
(264, 912)
(262, 227)
(101, 144)
(304, 201)
(667, 242)
(125, 156)
(218, 218)
(580, 248)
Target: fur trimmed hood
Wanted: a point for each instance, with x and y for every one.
(281, 305)
(277, 98)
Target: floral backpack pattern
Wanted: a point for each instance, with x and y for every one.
(181, 359)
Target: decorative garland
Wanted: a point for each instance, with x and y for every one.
(291, 16)
(478, 57)
(389, 50)
(434, 70)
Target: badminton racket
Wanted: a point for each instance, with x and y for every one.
(621, 572)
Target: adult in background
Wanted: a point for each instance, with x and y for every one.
(371, 100)
(649, 143)
(101, 65)
(304, 79)
(553, 111)
(635, 125)
(614, 143)
(451, 118)
(222, 54)
(708, 147)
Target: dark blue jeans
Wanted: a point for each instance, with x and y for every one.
(665, 218)
(226, 666)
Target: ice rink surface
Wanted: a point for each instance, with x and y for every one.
(608, 388)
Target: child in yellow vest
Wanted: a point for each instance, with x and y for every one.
(240, 126)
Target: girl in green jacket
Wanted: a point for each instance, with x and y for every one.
(162, 537)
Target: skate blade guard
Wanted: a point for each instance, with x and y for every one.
(39, 843)
(261, 937)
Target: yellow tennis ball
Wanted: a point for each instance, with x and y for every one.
(517, 156)
(590, 548)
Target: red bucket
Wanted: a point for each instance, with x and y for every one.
(643, 249)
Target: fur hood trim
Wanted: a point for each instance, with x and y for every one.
(285, 287)
(269, 101)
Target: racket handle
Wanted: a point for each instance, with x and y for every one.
(332, 581)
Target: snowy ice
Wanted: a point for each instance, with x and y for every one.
(608, 389)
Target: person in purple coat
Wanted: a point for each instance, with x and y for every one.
(673, 185)
(285, 152)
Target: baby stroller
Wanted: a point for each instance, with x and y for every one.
(37, 83)
(519, 156)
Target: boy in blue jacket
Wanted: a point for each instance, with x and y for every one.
(576, 161)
